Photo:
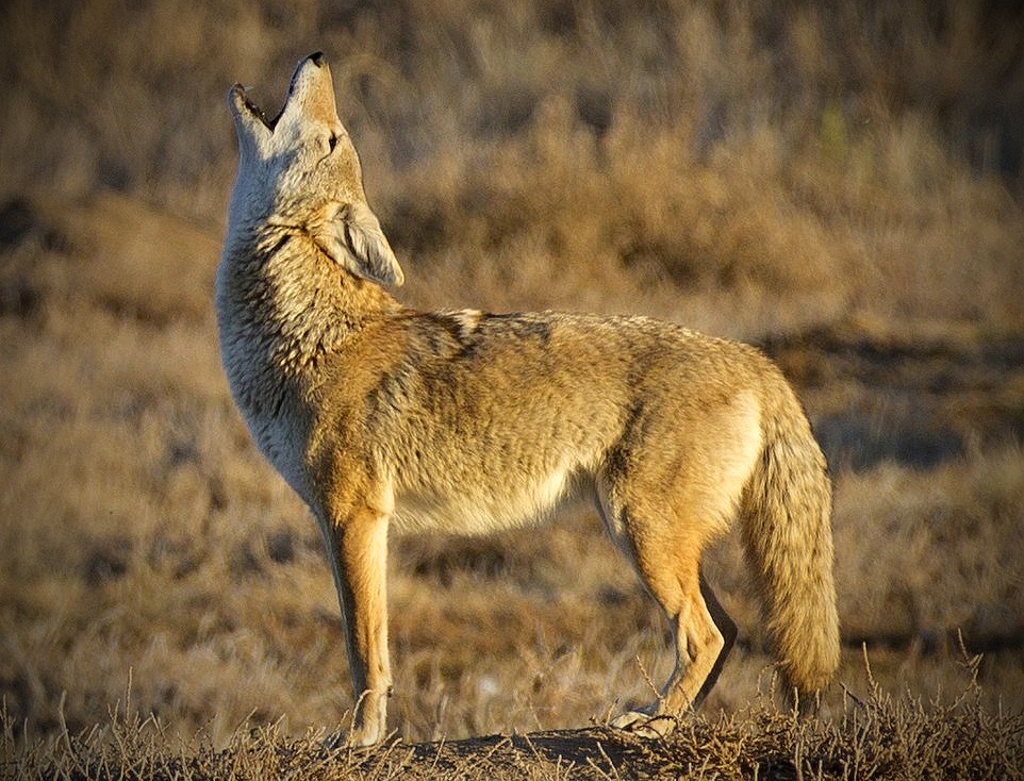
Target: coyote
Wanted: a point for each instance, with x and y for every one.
(380, 416)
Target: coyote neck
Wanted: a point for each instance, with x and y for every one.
(288, 297)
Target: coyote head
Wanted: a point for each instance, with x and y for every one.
(300, 172)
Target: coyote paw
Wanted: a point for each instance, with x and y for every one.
(644, 725)
(349, 740)
(353, 739)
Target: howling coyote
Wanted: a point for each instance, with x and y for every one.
(378, 416)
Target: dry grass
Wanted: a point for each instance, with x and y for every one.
(880, 737)
(841, 185)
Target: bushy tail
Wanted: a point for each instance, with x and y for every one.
(787, 532)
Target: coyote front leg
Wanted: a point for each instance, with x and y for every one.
(357, 549)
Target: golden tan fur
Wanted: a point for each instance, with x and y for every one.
(380, 416)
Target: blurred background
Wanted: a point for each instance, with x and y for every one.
(839, 183)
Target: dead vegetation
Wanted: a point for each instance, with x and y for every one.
(839, 184)
(882, 737)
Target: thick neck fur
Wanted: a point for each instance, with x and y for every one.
(285, 304)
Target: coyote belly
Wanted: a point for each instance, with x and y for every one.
(379, 415)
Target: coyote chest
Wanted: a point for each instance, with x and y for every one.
(267, 401)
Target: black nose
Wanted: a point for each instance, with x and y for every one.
(318, 58)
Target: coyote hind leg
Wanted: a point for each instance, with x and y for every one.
(727, 627)
(703, 634)
(666, 494)
(667, 558)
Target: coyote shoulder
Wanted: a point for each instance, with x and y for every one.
(379, 415)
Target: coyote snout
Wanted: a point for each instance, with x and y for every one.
(381, 416)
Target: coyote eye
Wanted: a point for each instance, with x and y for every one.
(332, 142)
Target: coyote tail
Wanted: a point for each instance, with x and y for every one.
(787, 533)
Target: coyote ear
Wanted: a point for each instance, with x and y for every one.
(353, 238)
(253, 133)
